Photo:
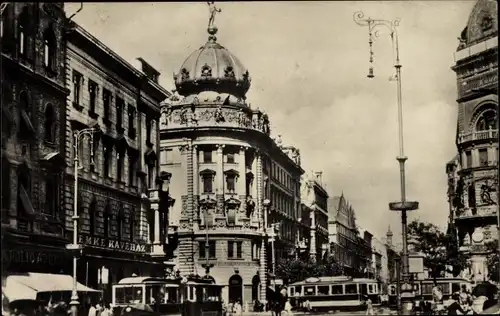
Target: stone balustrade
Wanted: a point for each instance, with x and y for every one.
(479, 135)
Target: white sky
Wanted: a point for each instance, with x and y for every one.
(308, 62)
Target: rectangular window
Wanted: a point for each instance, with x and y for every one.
(77, 86)
(468, 159)
(239, 250)
(207, 156)
(120, 104)
(131, 122)
(230, 158)
(119, 168)
(106, 100)
(166, 156)
(211, 249)
(208, 183)
(131, 171)
(106, 160)
(92, 96)
(202, 250)
(148, 131)
(230, 183)
(483, 157)
(230, 249)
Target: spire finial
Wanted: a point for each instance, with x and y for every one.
(212, 29)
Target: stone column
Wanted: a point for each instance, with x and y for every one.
(196, 184)
(475, 157)
(253, 190)
(312, 251)
(262, 215)
(154, 200)
(492, 156)
(242, 179)
(220, 169)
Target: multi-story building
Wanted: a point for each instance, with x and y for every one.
(473, 175)
(364, 254)
(315, 203)
(120, 225)
(379, 260)
(343, 233)
(33, 138)
(392, 257)
(230, 178)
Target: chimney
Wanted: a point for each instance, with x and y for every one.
(319, 177)
(150, 72)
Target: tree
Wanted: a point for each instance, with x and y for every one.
(297, 270)
(440, 250)
(493, 261)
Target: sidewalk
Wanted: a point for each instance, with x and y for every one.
(378, 311)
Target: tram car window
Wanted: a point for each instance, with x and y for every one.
(351, 288)
(337, 290)
(323, 290)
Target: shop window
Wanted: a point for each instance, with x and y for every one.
(92, 217)
(50, 124)
(50, 49)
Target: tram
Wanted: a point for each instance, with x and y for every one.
(423, 288)
(335, 293)
(172, 297)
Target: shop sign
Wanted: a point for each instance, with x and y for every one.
(110, 244)
(19, 256)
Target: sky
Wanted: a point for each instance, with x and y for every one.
(309, 63)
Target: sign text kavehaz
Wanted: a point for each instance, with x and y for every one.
(112, 244)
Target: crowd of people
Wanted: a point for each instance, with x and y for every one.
(60, 308)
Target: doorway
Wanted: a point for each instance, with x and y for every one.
(235, 288)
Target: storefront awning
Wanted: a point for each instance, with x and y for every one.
(27, 286)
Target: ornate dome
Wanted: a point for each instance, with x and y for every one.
(482, 24)
(212, 68)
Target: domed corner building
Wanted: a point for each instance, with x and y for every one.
(473, 173)
(222, 150)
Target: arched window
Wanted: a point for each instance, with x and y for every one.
(132, 224)
(120, 222)
(107, 221)
(92, 217)
(50, 49)
(487, 119)
(23, 32)
(50, 133)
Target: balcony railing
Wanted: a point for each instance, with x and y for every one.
(482, 211)
(481, 135)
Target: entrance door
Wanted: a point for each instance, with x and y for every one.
(255, 288)
(235, 289)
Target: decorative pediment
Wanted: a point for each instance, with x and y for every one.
(207, 172)
(232, 202)
(231, 172)
(208, 202)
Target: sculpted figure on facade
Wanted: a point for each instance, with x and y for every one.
(241, 118)
(219, 117)
(183, 116)
(250, 206)
(194, 115)
(486, 190)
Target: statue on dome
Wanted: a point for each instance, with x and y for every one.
(218, 115)
(213, 11)
(241, 118)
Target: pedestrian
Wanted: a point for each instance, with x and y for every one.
(92, 309)
(288, 308)
(237, 308)
(369, 306)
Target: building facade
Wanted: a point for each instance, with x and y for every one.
(364, 255)
(315, 204)
(121, 225)
(473, 175)
(33, 138)
(231, 179)
(343, 234)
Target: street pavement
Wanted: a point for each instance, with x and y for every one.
(378, 311)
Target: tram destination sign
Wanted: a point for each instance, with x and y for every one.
(110, 244)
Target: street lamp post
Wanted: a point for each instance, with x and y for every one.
(402, 206)
(76, 248)
(274, 228)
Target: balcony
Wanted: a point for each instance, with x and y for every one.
(481, 211)
(491, 134)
